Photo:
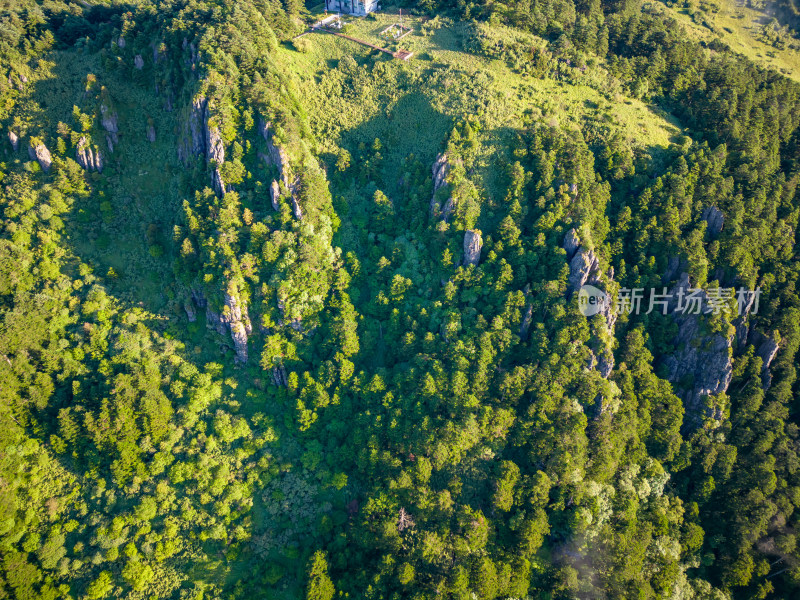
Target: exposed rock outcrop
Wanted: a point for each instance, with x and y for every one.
(297, 211)
(714, 218)
(239, 336)
(193, 141)
(674, 266)
(275, 195)
(138, 62)
(702, 363)
(279, 376)
(159, 50)
(41, 154)
(296, 323)
(121, 42)
(473, 243)
(766, 349)
(190, 314)
(214, 319)
(526, 322)
(233, 320)
(216, 157)
(439, 171)
(275, 155)
(743, 328)
(448, 208)
(14, 139)
(151, 133)
(110, 121)
(202, 138)
(583, 268)
(571, 243)
(91, 159)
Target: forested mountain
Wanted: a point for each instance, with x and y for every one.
(283, 316)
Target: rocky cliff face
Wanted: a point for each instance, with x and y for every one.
(110, 121)
(766, 349)
(233, 320)
(571, 243)
(41, 154)
(439, 171)
(279, 376)
(714, 219)
(13, 138)
(151, 133)
(193, 138)
(90, 159)
(275, 154)
(584, 268)
(701, 366)
(297, 211)
(201, 138)
(275, 195)
(216, 157)
(473, 243)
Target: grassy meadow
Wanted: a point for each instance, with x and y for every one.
(353, 94)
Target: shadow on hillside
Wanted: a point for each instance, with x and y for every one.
(123, 229)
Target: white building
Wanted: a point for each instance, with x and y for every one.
(352, 7)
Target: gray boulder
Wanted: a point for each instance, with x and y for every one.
(41, 154)
(473, 243)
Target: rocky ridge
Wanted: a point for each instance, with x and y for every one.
(584, 268)
(440, 170)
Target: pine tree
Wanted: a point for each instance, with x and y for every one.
(320, 586)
